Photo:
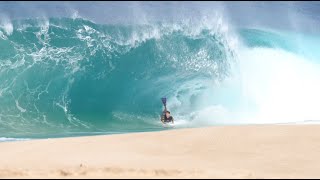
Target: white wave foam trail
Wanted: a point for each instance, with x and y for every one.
(4, 139)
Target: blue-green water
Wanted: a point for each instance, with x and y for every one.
(68, 77)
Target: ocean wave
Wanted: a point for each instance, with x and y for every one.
(73, 75)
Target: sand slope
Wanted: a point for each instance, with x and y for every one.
(268, 151)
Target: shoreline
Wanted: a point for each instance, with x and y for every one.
(96, 134)
(245, 151)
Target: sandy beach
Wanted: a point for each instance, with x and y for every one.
(265, 151)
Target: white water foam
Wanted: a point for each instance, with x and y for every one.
(270, 86)
(6, 25)
(4, 139)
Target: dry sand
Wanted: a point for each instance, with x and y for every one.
(266, 151)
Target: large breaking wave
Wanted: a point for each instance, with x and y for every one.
(64, 76)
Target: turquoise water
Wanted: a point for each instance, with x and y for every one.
(69, 77)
